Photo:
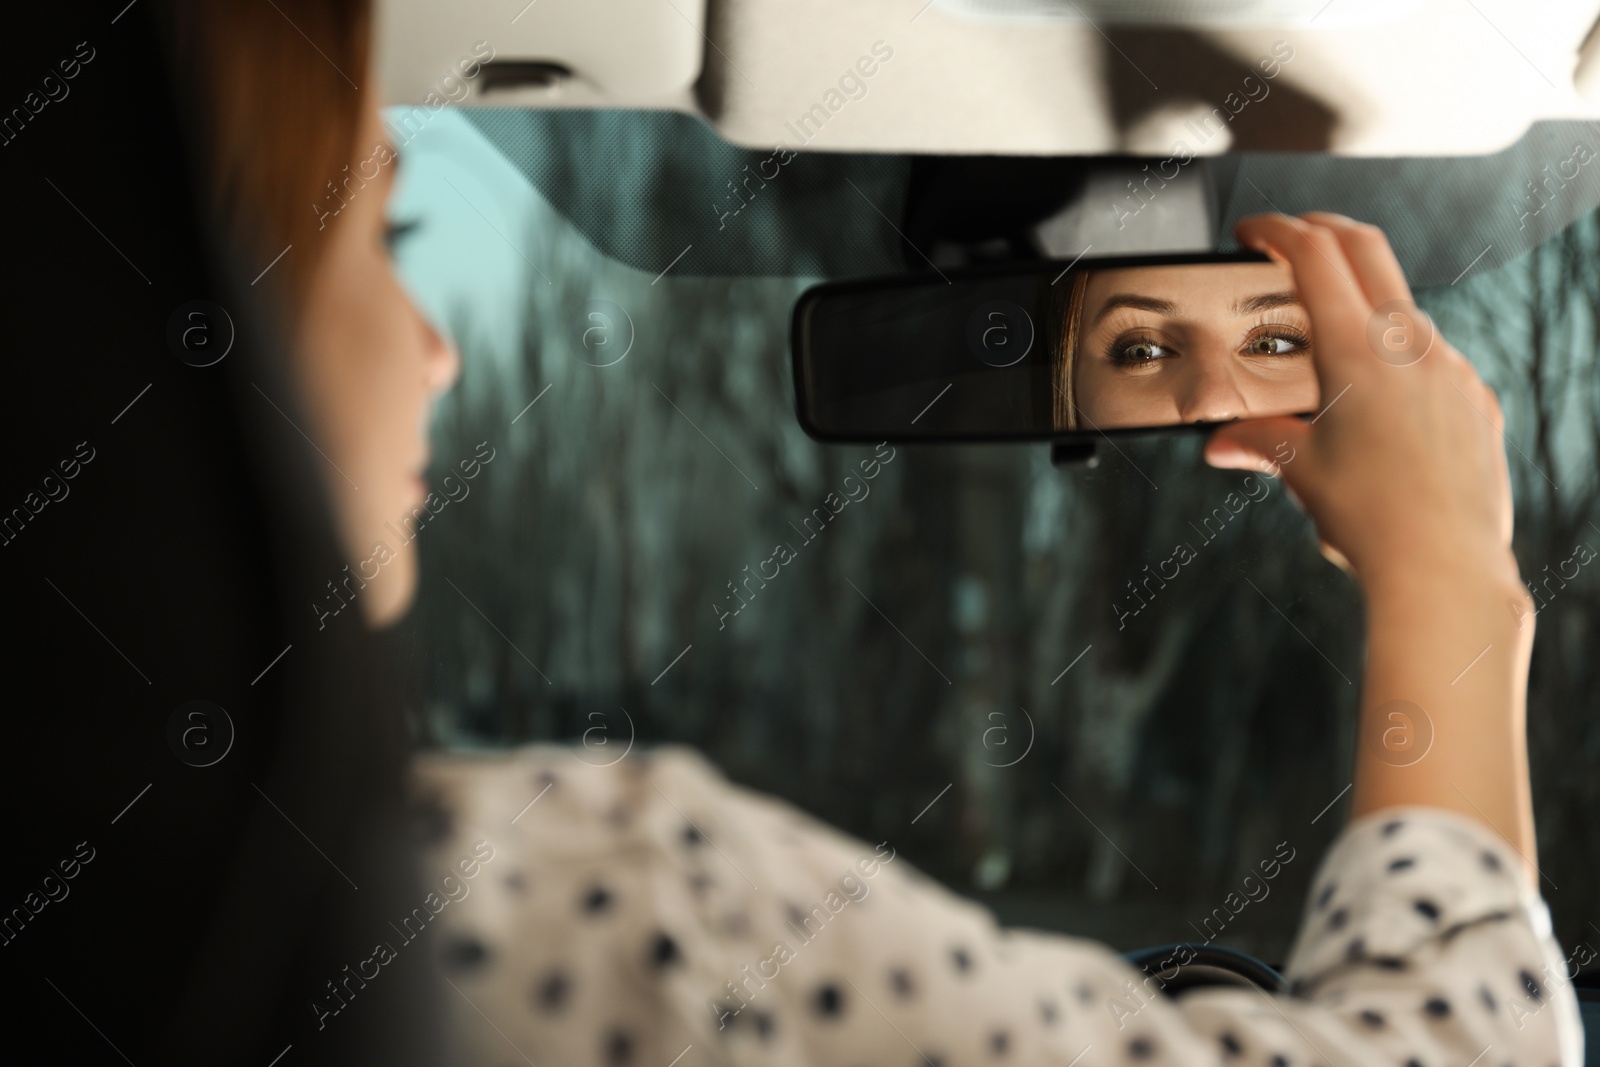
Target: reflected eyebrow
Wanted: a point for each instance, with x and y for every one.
(1266, 302)
(1243, 306)
(1137, 302)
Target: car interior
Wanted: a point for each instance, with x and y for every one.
(730, 239)
(819, 419)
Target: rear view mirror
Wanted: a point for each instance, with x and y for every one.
(1049, 351)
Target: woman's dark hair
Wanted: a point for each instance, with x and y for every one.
(275, 93)
(164, 534)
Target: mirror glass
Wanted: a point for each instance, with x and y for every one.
(1050, 350)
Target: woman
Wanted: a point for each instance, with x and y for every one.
(646, 912)
(208, 788)
(367, 360)
(1161, 346)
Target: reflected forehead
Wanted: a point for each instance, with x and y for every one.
(1239, 288)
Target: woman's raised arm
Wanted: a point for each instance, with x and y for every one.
(1404, 473)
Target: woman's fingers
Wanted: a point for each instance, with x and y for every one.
(1270, 445)
(1497, 419)
(1367, 249)
(1313, 253)
(1491, 403)
(1325, 280)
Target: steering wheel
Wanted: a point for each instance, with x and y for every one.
(1181, 967)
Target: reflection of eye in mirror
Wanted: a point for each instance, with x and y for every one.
(1042, 352)
(1162, 346)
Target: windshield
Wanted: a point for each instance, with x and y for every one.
(1092, 698)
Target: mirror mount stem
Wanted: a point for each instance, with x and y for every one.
(1070, 454)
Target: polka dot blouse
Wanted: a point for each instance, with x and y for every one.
(650, 914)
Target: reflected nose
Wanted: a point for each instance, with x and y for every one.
(1210, 393)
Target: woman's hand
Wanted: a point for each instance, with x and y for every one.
(1404, 469)
(1404, 472)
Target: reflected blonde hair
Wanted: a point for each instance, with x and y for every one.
(1068, 321)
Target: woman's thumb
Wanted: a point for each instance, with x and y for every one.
(1267, 445)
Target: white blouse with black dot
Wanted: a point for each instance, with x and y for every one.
(650, 914)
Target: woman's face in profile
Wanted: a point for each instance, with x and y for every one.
(1164, 345)
(370, 366)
